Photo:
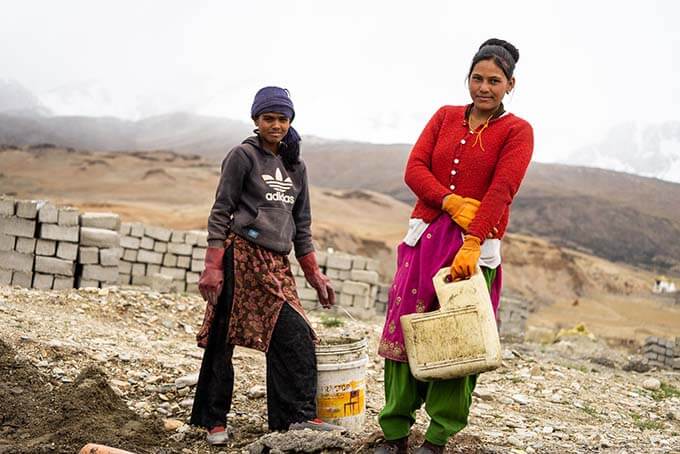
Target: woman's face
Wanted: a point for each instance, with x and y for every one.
(488, 85)
(273, 127)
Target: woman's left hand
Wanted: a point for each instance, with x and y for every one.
(465, 261)
(317, 280)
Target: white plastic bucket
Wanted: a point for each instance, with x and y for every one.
(341, 386)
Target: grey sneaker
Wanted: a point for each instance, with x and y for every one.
(316, 424)
(218, 438)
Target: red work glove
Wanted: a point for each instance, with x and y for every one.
(316, 279)
(212, 277)
(465, 261)
(461, 209)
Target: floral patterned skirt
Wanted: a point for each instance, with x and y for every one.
(263, 283)
(412, 289)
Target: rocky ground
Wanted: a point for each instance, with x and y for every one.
(116, 366)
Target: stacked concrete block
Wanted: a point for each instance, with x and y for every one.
(129, 270)
(513, 314)
(18, 220)
(99, 251)
(382, 299)
(355, 280)
(306, 293)
(662, 352)
(151, 254)
(56, 248)
(199, 245)
(360, 284)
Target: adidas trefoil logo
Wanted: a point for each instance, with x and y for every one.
(277, 182)
(281, 186)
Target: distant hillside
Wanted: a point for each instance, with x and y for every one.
(188, 133)
(615, 215)
(618, 216)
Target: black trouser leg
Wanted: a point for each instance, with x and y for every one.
(215, 387)
(291, 372)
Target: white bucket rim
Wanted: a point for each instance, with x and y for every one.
(335, 349)
(327, 367)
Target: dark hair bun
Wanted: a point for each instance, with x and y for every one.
(504, 44)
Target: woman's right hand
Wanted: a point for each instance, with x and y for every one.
(212, 277)
(461, 209)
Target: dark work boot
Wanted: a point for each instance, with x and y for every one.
(399, 446)
(429, 448)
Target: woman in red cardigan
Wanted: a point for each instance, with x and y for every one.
(465, 169)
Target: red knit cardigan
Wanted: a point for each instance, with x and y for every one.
(446, 160)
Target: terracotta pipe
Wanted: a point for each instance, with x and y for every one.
(92, 448)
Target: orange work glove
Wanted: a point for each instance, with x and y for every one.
(461, 209)
(465, 261)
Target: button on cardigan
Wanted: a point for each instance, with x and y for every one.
(447, 159)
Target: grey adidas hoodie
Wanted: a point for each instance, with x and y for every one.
(261, 201)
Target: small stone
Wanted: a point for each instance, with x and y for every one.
(556, 398)
(256, 392)
(171, 425)
(178, 437)
(120, 383)
(187, 403)
(483, 394)
(515, 423)
(163, 397)
(520, 399)
(186, 381)
(651, 384)
(536, 370)
(506, 400)
(514, 441)
(548, 430)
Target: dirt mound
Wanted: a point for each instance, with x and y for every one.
(37, 415)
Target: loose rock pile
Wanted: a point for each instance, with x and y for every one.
(543, 399)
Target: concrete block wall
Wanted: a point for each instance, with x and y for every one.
(38, 244)
(355, 279)
(513, 314)
(49, 247)
(661, 352)
(164, 259)
(18, 228)
(99, 250)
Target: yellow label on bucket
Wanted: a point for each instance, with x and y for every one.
(340, 406)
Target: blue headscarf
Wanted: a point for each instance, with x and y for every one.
(276, 99)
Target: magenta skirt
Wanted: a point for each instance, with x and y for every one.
(412, 289)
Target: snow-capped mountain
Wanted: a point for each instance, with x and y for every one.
(92, 99)
(651, 150)
(16, 99)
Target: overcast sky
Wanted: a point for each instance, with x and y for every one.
(365, 70)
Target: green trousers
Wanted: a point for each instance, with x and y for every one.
(447, 402)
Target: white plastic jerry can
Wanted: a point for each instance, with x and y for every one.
(458, 339)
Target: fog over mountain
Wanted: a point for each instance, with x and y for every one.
(651, 150)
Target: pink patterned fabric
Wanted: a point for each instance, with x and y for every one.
(412, 289)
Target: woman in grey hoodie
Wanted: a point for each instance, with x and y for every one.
(261, 212)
